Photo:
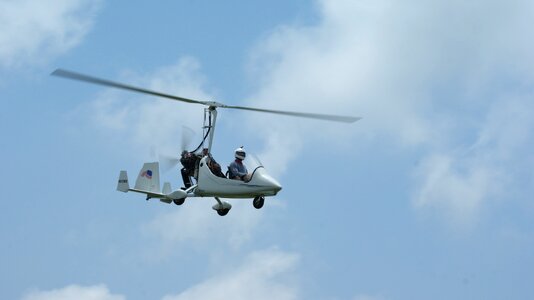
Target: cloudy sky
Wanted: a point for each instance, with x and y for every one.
(429, 196)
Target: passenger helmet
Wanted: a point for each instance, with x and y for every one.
(240, 153)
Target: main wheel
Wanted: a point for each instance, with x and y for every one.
(223, 212)
(179, 201)
(258, 202)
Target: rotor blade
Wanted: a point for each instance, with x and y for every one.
(95, 80)
(81, 77)
(335, 118)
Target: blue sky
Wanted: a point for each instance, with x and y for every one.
(429, 196)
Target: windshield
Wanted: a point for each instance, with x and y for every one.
(252, 162)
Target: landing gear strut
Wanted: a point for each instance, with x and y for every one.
(258, 202)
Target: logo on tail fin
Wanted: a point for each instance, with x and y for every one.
(147, 174)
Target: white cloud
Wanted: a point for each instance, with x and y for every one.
(263, 275)
(34, 31)
(338, 66)
(196, 224)
(460, 182)
(422, 74)
(148, 121)
(96, 292)
(456, 185)
(428, 77)
(266, 274)
(385, 61)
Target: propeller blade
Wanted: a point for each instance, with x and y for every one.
(335, 118)
(187, 137)
(82, 77)
(168, 162)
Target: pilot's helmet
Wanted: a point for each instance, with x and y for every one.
(240, 153)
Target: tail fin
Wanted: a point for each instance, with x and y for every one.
(148, 179)
(122, 184)
(166, 188)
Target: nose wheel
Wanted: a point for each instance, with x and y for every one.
(222, 207)
(258, 202)
(223, 212)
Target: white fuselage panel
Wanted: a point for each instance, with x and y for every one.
(209, 185)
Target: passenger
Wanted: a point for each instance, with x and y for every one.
(214, 167)
(237, 169)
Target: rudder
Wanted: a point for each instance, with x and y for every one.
(122, 184)
(148, 179)
(167, 188)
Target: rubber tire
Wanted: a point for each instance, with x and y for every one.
(179, 201)
(223, 212)
(258, 202)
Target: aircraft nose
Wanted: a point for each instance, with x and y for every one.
(267, 183)
(273, 184)
(277, 186)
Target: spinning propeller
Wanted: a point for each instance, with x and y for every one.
(169, 162)
(95, 80)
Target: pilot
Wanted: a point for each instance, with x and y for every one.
(237, 169)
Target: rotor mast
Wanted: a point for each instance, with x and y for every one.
(211, 112)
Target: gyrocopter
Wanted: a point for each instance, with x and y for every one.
(209, 180)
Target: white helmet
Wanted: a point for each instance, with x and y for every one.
(240, 153)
